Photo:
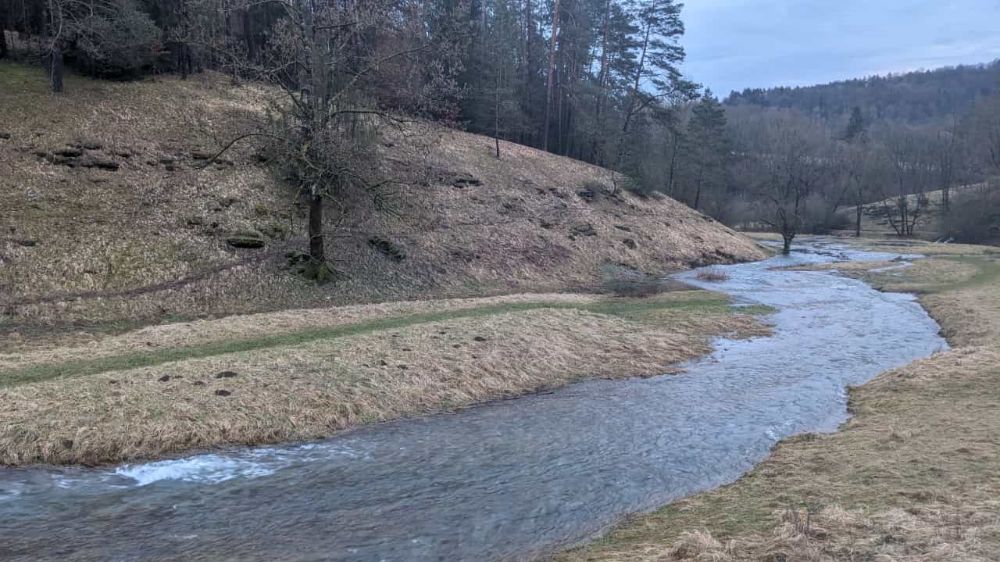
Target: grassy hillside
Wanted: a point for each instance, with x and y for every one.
(106, 218)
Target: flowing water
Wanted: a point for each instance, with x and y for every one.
(507, 480)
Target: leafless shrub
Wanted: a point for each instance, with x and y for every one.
(712, 275)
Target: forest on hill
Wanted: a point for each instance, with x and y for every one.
(922, 97)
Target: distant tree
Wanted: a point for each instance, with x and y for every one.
(856, 126)
(784, 169)
(707, 149)
(910, 158)
(986, 131)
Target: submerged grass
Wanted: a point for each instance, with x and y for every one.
(914, 475)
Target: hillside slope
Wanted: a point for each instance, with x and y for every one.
(108, 218)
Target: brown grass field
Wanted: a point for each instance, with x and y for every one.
(227, 382)
(913, 476)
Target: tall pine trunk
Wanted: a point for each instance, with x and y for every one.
(551, 78)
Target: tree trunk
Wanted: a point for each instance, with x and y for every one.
(317, 248)
(859, 209)
(496, 117)
(56, 68)
(551, 78)
(787, 247)
(3, 33)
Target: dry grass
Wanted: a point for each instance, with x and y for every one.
(913, 476)
(311, 388)
(713, 275)
(521, 226)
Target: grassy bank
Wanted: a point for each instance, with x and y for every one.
(147, 239)
(306, 374)
(914, 475)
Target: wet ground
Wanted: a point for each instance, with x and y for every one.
(507, 480)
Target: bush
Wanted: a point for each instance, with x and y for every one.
(117, 43)
(974, 218)
(712, 275)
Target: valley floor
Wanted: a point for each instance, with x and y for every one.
(304, 374)
(914, 475)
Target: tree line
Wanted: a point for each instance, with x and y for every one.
(785, 170)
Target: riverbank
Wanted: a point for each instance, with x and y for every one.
(914, 474)
(305, 374)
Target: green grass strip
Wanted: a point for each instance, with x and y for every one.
(633, 309)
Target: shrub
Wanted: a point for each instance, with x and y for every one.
(974, 218)
(712, 275)
(117, 43)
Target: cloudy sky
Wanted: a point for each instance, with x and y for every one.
(733, 44)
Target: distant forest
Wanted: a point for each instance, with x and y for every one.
(915, 98)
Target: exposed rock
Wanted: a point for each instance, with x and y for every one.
(68, 152)
(387, 248)
(246, 239)
(91, 161)
(584, 229)
(464, 180)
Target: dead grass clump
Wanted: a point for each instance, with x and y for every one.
(712, 275)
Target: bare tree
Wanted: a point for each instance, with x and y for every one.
(324, 128)
(781, 157)
(909, 161)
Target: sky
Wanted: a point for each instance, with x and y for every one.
(736, 44)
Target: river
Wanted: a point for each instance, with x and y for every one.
(507, 480)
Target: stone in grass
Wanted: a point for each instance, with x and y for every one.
(246, 239)
(222, 392)
(225, 375)
(164, 378)
(387, 248)
(91, 161)
(479, 338)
